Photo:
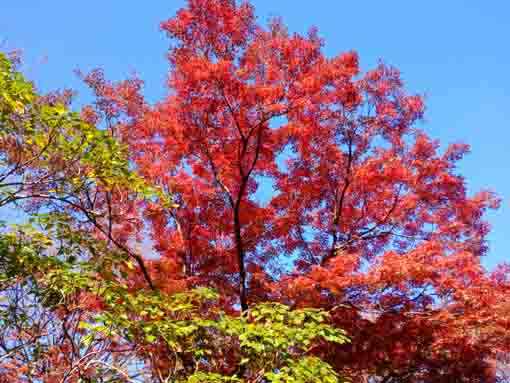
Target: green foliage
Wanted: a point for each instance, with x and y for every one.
(48, 148)
(308, 369)
(201, 377)
(270, 340)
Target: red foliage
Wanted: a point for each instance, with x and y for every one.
(301, 179)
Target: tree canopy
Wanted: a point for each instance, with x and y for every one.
(279, 216)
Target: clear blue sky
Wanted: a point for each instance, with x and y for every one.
(456, 52)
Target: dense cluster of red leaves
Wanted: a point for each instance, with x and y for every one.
(303, 180)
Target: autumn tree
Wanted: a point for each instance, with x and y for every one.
(78, 302)
(303, 180)
(298, 179)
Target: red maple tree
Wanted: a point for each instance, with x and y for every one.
(301, 179)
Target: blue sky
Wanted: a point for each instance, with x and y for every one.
(456, 52)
